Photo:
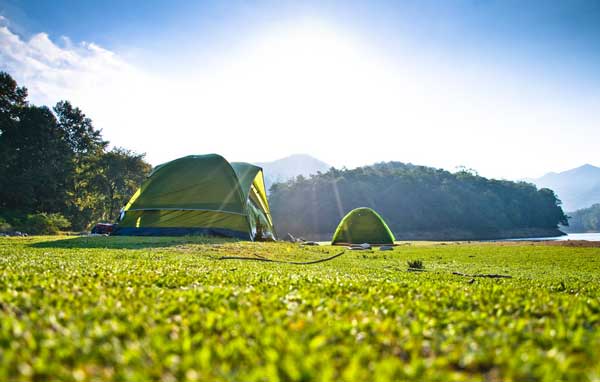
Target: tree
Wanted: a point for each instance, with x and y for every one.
(57, 162)
(122, 173)
(35, 162)
(12, 98)
(79, 132)
(84, 184)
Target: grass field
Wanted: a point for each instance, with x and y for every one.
(134, 309)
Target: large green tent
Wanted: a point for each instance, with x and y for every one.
(200, 195)
(362, 225)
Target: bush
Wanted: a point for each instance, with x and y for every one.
(45, 224)
(36, 224)
(5, 226)
(415, 264)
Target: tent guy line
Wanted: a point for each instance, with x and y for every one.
(260, 258)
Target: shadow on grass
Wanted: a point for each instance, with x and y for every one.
(129, 242)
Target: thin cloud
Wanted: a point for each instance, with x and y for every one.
(107, 88)
(54, 71)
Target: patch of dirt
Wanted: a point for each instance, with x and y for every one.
(556, 243)
(573, 243)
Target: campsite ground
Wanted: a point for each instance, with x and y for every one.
(150, 308)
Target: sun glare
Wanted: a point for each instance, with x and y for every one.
(312, 82)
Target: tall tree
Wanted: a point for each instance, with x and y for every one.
(85, 199)
(122, 173)
(36, 172)
(33, 153)
(12, 98)
(80, 134)
(57, 162)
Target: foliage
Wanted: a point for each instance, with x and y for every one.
(57, 162)
(5, 226)
(110, 308)
(33, 224)
(122, 173)
(415, 264)
(12, 98)
(585, 220)
(79, 133)
(35, 162)
(412, 199)
(45, 224)
(86, 148)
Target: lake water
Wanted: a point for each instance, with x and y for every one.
(595, 236)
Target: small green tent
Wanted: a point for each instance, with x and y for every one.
(362, 225)
(200, 195)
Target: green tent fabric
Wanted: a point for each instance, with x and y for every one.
(362, 225)
(200, 194)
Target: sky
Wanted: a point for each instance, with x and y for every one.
(508, 88)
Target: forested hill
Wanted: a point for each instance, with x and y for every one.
(417, 202)
(585, 220)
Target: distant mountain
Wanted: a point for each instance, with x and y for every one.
(577, 188)
(290, 167)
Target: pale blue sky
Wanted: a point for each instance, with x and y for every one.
(510, 88)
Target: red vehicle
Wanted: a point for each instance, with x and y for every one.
(103, 229)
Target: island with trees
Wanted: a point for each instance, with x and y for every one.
(418, 203)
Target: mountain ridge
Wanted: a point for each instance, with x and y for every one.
(577, 188)
(284, 169)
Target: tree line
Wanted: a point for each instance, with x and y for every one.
(56, 171)
(415, 201)
(585, 219)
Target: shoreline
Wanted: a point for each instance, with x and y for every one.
(460, 235)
